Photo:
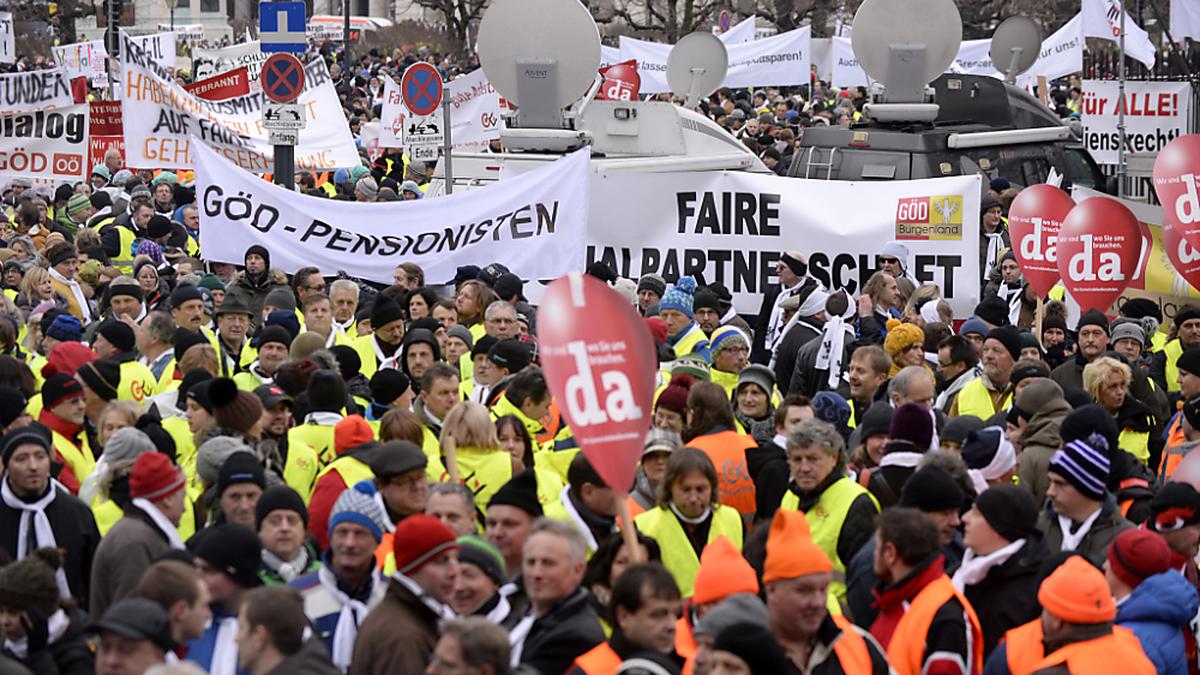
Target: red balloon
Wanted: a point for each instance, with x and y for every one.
(600, 363)
(1033, 224)
(621, 82)
(1183, 256)
(1099, 247)
(1176, 174)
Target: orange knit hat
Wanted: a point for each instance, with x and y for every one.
(723, 572)
(791, 551)
(1078, 593)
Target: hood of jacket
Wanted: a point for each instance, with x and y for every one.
(272, 277)
(1043, 427)
(1163, 598)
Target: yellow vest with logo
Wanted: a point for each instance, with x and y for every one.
(301, 467)
(318, 437)
(482, 471)
(80, 460)
(352, 470)
(137, 382)
(167, 381)
(678, 556)
(1173, 349)
(975, 399)
(825, 520)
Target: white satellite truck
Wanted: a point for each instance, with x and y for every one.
(544, 57)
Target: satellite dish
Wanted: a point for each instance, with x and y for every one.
(696, 66)
(546, 51)
(906, 44)
(1016, 45)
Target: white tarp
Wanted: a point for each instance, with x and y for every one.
(35, 90)
(536, 223)
(161, 120)
(8, 41)
(50, 144)
(973, 58)
(158, 46)
(474, 112)
(1102, 19)
(742, 31)
(782, 59)
(731, 227)
(1155, 113)
(846, 71)
(86, 59)
(208, 63)
(1185, 20)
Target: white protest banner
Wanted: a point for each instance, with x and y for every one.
(158, 46)
(821, 58)
(391, 115)
(8, 41)
(35, 90)
(1185, 20)
(1062, 54)
(1155, 113)
(742, 31)
(973, 58)
(609, 55)
(191, 32)
(536, 223)
(86, 59)
(211, 62)
(161, 120)
(1102, 19)
(731, 227)
(46, 143)
(782, 59)
(846, 71)
(474, 111)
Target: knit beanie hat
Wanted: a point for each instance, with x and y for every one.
(481, 553)
(1093, 317)
(994, 311)
(67, 358)
(462, 333)
(1189, 361)
(1009, 337)
(989, 456)
(931, 489)
(912, 422)
(679, 297)
(674, 397)
(277, 334)
(127, 444)
(211, 455)
(1083, 466)
(723, 572)
(30, 583)
(58, 388)
(184, 293)
(521, 492)
(357, 505)
(351, 432)
(1126, 329)
(1175, 506)
(1010, 510)
(901, 336)
(829, 406)
(279, 498)
(103, 377)
(735, 609)
(326, 391)
(1092, 425)
(231, 549)
(755, 645)
(388, 384)
(726, 336)
(1077, 592)
(652, 282)
(958, 428)
(1134, 555)
(240, 467)
(304, 345)
(12, 404)
(384, 312)
(234, 409)
(694, 365)
(418, 540)
(757, 374)
(367, 186)
(281, 298)
(154, 476)
(706, 299)
(34, 434)
(791, 551)
(77, 204)
(65, 328)
(211, 281)
(974, 325)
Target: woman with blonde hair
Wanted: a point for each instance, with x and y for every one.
(1107, 381)
(472, 452)
(36, 289)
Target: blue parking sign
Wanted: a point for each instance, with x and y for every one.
(282, 27)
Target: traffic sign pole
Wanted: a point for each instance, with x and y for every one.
(285, 166)
(446, 146)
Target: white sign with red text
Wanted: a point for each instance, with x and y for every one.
(1155, 114)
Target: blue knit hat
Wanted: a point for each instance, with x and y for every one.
(357, 505)
(1082, 466)
(974, 325)
(726, 336)
(679, 297)
(65, 328)
(829, 406)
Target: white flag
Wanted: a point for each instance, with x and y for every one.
(1185, 20)
(1062, 54)
(1102, 19)
(739, 33)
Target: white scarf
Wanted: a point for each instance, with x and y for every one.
(1003, 461)
(56, 626)
(516, 637)
(994, 246)
(323, 417)
(1012, 296)
(34, 514)
(929, 312)
(254, 370)
(77, 291)
(577, 520)
(351, 617)
(975, 568)
(160, 521)
(904, 459)
(225, 651)
(1070, 541)
(286, 569)
(775, 327)
(812, 304)
(943, 399)
(691, 521)
(500, 612)
(387, 519)
(833, 346)
(384, 361)
(441, 609)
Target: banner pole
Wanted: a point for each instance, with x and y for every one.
(1037, 321)
(1121, 170)
(449, 178)
(628, 533)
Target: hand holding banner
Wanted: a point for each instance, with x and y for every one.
(600, 363)
(1034, 221)
(1099, 249)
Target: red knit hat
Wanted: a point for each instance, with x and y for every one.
(351, 432)
(674, 397)
(67, 358)
(418, 540)
(1137, 554)
(723, 572)
(154, 477)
